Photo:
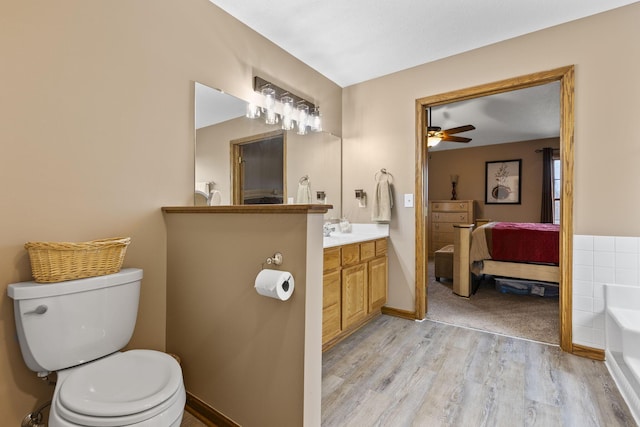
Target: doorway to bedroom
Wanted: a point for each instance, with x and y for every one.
(461, 174)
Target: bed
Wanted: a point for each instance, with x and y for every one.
(505, 249)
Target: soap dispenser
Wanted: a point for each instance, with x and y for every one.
(345, 226)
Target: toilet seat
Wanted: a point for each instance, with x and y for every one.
(124, 388)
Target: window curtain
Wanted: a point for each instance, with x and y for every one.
(546, 215)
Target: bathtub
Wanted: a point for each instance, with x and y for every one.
(622, 341)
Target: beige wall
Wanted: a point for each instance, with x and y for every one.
(379, 125)
(244, 354)
(96, 130)
(469, 165)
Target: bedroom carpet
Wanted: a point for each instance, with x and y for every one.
(523, 316)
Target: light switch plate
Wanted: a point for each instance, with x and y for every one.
(408, 200)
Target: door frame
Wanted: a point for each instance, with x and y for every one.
(566, 77)
(237, 166)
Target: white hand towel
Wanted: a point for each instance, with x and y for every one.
(215, 198)
(304, 192)
(382, 202)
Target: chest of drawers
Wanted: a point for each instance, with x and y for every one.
(443, 215)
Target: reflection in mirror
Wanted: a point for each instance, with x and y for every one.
(257, 166)
(221, 125)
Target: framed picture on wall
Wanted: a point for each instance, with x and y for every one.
(502, 182)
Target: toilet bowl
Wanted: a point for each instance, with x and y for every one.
(136, 387)
(77, 329)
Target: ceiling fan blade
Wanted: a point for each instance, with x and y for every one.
(459, 129)
(452, 138)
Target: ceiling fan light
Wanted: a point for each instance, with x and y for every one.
(432, 141)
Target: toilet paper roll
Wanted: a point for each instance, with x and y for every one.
(275, 284)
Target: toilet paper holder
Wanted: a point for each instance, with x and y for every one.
(275, 259)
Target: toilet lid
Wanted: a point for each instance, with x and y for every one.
(122, 384)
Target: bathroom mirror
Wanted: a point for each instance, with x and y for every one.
(220, 123)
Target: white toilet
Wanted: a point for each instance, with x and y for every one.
(76, 329)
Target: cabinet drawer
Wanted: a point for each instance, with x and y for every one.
(350, 254)
(445, 227)
(454, 217)
(450, 206)
(381, 247)
(367, 250)
(331, 259)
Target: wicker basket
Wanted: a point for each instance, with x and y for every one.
(59, 261)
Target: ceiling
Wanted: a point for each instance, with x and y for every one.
(351, 41)
(521, 115)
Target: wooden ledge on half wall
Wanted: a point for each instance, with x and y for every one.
(250, 209)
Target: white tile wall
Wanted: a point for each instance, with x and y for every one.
(598, 260)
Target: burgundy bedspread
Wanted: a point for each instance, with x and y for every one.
(525, 242)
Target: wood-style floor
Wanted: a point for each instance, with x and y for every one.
(396, 372)
(189, 420)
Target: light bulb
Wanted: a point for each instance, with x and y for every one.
(287, 112)
(253, 111)
(270, 104)
(303, 115)
(316, 120)
(432, 141)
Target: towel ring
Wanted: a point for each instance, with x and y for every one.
(381, 173)
(304, 179)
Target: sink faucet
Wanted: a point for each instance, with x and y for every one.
(326, 230)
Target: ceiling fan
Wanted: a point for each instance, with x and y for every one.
(435, 134)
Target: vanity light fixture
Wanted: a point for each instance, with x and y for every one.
(296, 112)
(315, 120)
(269, 94)
(303, 116)
(287, 112)
(253, 111)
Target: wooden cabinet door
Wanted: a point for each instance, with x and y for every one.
(331, 307)
(377, 283)
(354, 294)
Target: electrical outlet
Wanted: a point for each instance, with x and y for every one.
(408, 200)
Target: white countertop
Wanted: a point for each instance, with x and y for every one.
(359, 233)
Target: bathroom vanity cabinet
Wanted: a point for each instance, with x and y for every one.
(354, 287)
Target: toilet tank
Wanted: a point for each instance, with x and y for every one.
(64, 324)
